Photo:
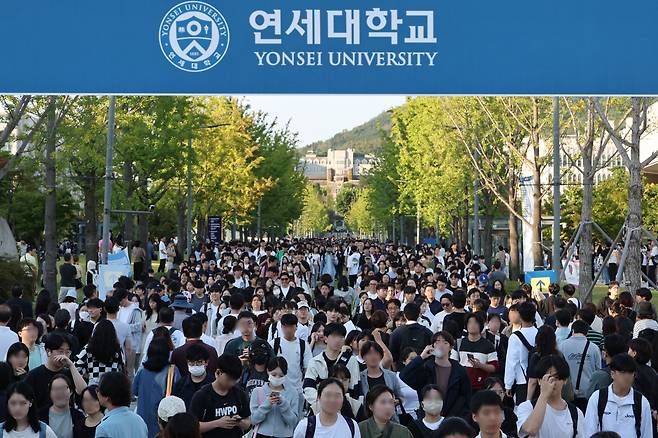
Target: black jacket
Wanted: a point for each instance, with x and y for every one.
(456, 400)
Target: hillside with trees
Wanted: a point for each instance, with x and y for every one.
(364, 139)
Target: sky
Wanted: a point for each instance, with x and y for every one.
(321, 117)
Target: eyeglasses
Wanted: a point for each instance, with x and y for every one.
(445, 304)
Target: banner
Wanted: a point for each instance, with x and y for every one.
(301, 46)
(527, 208)
(215, 229)
(119, 258)
(108, 275)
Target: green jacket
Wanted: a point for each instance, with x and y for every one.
(369, 429)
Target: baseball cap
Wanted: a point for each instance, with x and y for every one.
(303, 304)
(170, 406)
(483, 279)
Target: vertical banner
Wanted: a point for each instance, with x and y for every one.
(215, 229)
(526, 211)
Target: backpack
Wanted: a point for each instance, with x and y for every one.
(573, 411)
(311, 423)
(526, 344)
(637, 408)
(415, 337)
(172, 330)
(302, 350)
(42, 429)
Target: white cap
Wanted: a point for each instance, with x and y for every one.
(303, 304)
(72, 293)
(170, 406)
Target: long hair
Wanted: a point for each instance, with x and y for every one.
(104, 345)
(153, 297)
(163, 333)
(158, 355)
(545, 341)
(26, 391)
(182, 425)
(42, 302)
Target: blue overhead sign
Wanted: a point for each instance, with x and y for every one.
(308, 46)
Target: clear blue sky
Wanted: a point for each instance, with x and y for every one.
(320, 117)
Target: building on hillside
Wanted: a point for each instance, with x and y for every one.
(338, 167)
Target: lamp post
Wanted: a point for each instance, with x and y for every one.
(107, 198)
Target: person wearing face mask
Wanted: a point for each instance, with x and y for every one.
(274, 407)
(197, 362)
(432, 404)
(447, 373)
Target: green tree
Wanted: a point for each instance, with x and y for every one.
(345, 198)
(314, 219)
(283, 201)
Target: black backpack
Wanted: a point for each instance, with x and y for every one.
(312, 421)
(528, 346)
(573, 411)
(302, 350)
(637, 408)
(415, 337)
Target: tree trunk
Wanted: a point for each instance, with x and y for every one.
(50, 216)
(537, 250)
(91, 218)
(129, 224)
(202, 228)
(632, 269)
(513, 247)
(181, 224)
(464, 223)
(585, 250)
(487, 238)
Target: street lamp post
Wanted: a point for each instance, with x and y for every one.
(188, 219)
(107, 198)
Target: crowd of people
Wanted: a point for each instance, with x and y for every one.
(327, 338)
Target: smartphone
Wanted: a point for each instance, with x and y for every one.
(470, 356)
(274, 393)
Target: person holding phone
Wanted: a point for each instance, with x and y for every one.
(275, 407)
(477, 354)
(222, 407)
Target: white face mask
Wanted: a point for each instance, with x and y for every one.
(196, 370)
(84, 315)
(276, 381)
(438, 353)
(433, 407)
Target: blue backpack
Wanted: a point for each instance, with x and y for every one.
(42, 429)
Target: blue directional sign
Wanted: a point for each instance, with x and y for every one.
(540, 280)
(343, 46)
